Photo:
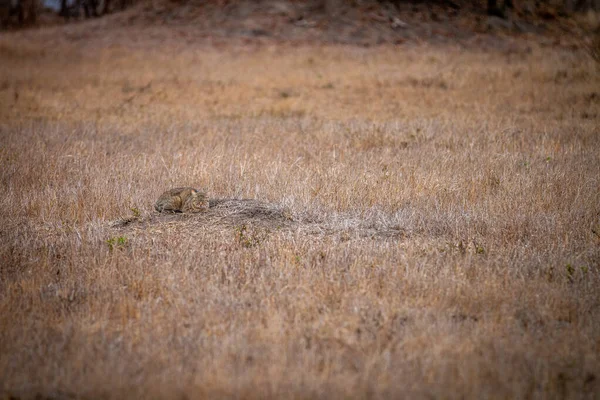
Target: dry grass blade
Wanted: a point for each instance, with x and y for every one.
(381, 225)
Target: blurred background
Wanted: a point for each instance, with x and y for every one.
(364, 22)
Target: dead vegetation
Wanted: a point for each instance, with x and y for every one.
(419, 222)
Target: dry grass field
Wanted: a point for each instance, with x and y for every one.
(425, 221)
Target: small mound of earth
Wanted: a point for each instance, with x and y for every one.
(230, 213)
(248, 209)
(223, 212)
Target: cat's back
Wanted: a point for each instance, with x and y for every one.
(180, 191)
(182, 199)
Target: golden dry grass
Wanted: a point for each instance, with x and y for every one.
(431, 235)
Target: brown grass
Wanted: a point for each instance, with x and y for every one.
(430, 223)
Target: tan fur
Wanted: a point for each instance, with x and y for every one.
(183, 199)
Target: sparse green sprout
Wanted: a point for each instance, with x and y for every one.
(548, 159)
(479, 249)
(570, 272)
(136, 212)
(241, 236)
(119, 242)
(584, 270)
(249, 238)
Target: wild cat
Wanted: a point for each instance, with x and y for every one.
(183, 199)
